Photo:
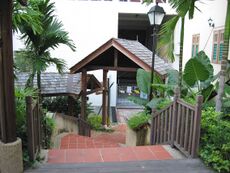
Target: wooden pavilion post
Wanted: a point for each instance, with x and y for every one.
(7, 103)
(104, 97)
(10, 146)
(83, 95)
(71, 105)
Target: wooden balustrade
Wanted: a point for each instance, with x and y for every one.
(33, 114)
(179, 125)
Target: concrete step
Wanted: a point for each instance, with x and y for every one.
(115, 154)
(157, 166)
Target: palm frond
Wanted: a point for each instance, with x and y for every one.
(26, 16)
(166, 38)
(183, 7)
(55, 35)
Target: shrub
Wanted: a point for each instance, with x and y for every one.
(215, 140)
(21, 127)
(139, 120)
(162, 104)
(95, 121)
(48, 125)
(60, 104)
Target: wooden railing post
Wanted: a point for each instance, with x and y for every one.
(39, 113)
(196, 127)
(152, 137)
(30, 129)
(174, 117)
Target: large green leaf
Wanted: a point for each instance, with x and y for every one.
(154, 102)
(138, 100)
(172, 77)
(204, 59)
(166, 38)
(195, 71)
(206, 93)
(143, 80)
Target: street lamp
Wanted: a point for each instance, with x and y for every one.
(156, 15)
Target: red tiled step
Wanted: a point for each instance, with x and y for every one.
(74, 141)
(116, 154)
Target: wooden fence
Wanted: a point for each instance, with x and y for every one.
(33, 112)
(178, 125)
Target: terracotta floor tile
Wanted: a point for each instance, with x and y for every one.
(56, 156)
(163, 155)
(143, 153)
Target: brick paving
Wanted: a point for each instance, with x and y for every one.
(98, 139)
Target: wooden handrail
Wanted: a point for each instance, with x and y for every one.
(178, 124)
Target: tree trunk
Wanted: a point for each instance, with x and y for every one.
(181, 55)
(39, 86)
(224, 61)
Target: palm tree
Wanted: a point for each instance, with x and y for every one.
(25, 15)
(166, 39)
(38, 45)
(224, 61)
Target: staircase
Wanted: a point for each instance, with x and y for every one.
(156, 166)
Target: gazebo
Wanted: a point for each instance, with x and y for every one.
(119, 55)
(55, 84)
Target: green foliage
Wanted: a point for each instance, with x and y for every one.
(23, 61)
(190, 100)
(95, 122)
(60, 104)
(20, 96)
(215, 140)
(143, 80)
(21, 127)
(195, 71)
(163, 103)
(51, 36)
(183, 7)
(143, 83)
(138, 100)
(139, 120)
(166, 38)
(48, 125)
(226, 100)
(26, 15)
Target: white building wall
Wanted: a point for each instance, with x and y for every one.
(216, 10)
(90, 24)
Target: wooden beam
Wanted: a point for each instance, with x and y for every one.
(104, 98)
(91, 57)
(107, 68)
(94, 91)
(7, 103)
(83, 93)
(131, 56)
(115, 58)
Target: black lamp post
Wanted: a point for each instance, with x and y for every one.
(156, 15)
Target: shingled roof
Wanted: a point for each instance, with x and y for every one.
(58, 84)
(145, 55)
(131, 49)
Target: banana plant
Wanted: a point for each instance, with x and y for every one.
(143, 84)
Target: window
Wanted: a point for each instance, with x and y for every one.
(218, 43)
(195, 44)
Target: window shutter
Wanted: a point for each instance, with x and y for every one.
(221, 45)
(195, 44)
(215, 47)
